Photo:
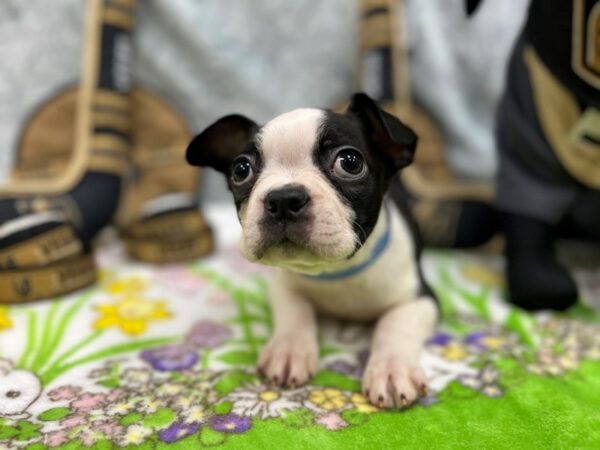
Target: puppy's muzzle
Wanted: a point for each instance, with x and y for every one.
(287, 205)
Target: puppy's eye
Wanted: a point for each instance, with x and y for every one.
(242, 171)
(349, 163)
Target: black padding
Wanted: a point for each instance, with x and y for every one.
(535, 278)
(471, 6)
(97, 197)
(28, 233)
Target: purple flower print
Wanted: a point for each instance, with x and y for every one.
(177, 431)
(207, 334)
(485, 341)
(492, 391)
(428, 400)
(231, 423)
(344, 368)
(363, 358)
(476, 340)
(170, 357)
(440, 339)
(470, 381)
(485, 381)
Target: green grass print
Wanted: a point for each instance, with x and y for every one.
(246, 349)
(43, 341)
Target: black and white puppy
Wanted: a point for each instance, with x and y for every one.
(309, 188)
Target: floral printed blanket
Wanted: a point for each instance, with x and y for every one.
(164, 358)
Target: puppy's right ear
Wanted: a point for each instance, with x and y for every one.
(220, 143)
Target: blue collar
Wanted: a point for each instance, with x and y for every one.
(376, 252)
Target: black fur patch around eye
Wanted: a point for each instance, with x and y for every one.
(363, 195)
(242, 192)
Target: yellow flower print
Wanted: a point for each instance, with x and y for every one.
(493, 343)
(127, 286)
(170, 389)
(195, 415)
(5, 320)
(182, 402)
(362, 404)
(121, 408)
(135, 434)
(269, 396)
(593, 352)
(568, 362)
(483, 275)
(131, 314)
(492, 391)
(454, 352)
(328, 398)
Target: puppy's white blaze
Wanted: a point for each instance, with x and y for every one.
(290, 138)
(287, 144)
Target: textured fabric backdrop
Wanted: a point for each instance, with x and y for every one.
(212, 58)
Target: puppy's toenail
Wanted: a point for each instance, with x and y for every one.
(403, 400)
(423, 390)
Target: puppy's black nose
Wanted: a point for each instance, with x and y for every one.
(287, 203)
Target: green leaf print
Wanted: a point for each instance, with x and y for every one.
(54, 414)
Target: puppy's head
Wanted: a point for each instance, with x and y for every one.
(308, 185)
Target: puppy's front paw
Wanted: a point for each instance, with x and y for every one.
(289, 360)
(390, 382)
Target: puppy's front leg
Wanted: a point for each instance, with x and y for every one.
(290, 358)
(393, 376)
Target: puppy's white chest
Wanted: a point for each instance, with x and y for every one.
(391, 280)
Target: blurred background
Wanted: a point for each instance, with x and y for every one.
(209, 58)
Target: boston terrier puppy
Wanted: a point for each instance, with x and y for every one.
(309, 187)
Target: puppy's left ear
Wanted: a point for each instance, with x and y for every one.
(220, 143)
(395, 141)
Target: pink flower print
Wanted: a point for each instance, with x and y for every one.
(106, 427)
(218, 298)
(55, 438)
(87, 402)
(67, 392)
(115, 395)
(207, 334)
(181, 279)
(73, 420)
(332, 421)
